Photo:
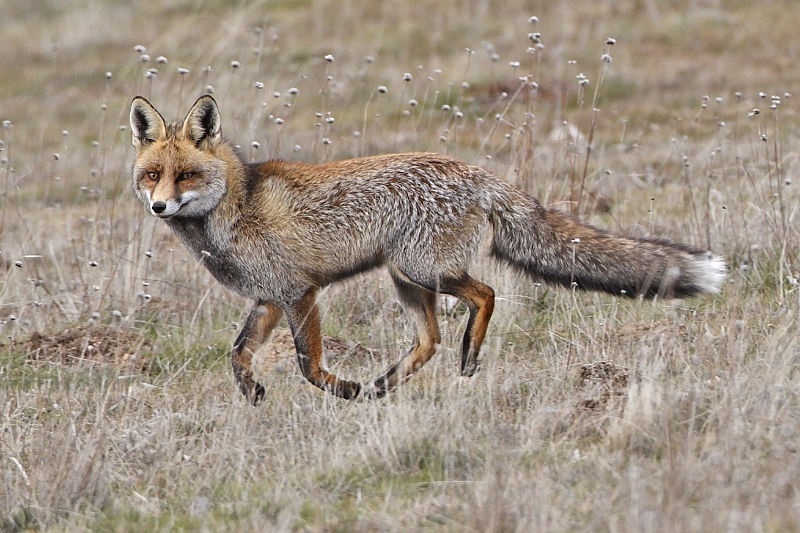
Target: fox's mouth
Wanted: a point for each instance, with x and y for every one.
(170, 208)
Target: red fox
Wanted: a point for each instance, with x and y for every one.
(276, 232)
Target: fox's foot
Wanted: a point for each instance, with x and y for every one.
(348, 390)
(469, 366)
(253, 391)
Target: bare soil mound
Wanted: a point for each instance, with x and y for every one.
(93, 344)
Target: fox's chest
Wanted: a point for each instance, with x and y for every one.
(214, 250)
(250, 267)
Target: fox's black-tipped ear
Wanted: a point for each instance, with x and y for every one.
(202, 123)
(147, 124)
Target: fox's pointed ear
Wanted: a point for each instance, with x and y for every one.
(147, 124)
(202, 123)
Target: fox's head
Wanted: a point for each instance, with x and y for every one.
(178, 171)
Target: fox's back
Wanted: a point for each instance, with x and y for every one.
(412, 176)
(340, 217)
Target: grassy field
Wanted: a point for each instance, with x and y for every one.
(118, 409)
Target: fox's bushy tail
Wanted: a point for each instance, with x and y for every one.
(555, 248)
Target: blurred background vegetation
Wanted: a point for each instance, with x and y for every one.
(117, 405)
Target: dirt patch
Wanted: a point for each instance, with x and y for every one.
(599, 383)
(124, 346)
(95, 344)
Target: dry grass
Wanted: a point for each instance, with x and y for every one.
(117, 405)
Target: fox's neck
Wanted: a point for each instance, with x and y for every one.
(211, 232)
(200, 235)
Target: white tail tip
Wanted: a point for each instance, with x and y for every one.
(711, 272)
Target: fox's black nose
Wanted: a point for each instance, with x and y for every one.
(158, 207)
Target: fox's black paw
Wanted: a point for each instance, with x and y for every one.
(254, 393)
(257, 394)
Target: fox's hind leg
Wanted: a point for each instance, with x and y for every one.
(260, 323)
(479, 298)
(303, 316)
(421, 303)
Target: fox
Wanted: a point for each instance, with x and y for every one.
(277, 232)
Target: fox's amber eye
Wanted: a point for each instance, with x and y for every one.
(152, 175)
(185, 176)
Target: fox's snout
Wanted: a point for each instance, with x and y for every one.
(172, 206)
(165, 209)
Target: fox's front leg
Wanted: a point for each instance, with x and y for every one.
(260, 323)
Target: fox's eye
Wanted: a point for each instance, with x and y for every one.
(185, 176)
(152, 175)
